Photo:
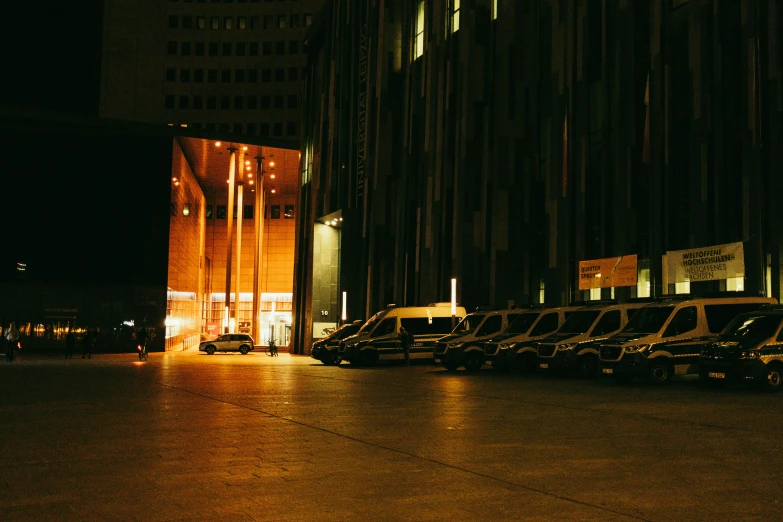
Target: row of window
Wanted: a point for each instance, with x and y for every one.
(228, 1)
(251, 75)
(240, 22)
(174, 48)
(270, 212)
(227, 103)
(263, 129)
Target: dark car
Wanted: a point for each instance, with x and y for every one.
(325, 348)
(749, 350)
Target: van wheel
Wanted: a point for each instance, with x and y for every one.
(331, 358)
(210, 350)
(474, 362)
(660, 372)
(774, 379)
(588, 366)
(243, 350)
(368, 358)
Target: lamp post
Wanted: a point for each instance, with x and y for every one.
(345, 304)
(453, 302)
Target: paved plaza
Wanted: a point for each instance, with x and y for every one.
(187, 436)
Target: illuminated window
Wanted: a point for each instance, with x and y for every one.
(454, 16)
(221, 212)
(418, 44)
(209, 211)
(289, 212)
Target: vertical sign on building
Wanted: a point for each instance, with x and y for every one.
(361, 137)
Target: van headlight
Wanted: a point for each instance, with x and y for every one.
(565, 347)
(637, 348)
(505, 346)
(454, 346)
(751, 354)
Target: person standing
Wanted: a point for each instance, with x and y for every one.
(12, 342)
(87, 345)
(70, 343)
(406, 339)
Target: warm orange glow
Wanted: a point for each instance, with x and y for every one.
(271, 163)
(272, 176)
(247, 162)
(251, 181)
(244, 148)
(218, 144)
(273, 191)
(250, 175)
(174, 178)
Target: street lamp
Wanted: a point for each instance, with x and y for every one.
(453, 302)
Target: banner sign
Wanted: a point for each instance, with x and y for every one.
(706, 264)
(609, 272)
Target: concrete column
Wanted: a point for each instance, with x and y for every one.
(229, 234)
(259, 231)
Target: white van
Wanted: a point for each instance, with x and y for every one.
(531, 325)
(379, 339)
(572, 347)
(665, 337)
(464, 345)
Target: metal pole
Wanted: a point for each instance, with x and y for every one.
(259, 231)
(229, 236)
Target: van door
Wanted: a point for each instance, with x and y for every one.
(684, 325)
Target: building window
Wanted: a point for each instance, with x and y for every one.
(253, 49)
(267, 21)
(263, 129)
(226, 48)
(221, 212)
(294, 20)
(293, 74)
(225, 76)
(280, 75)
(187, 22)
(198, 102)
(277, 128)
(239, 76)
(214, 22)
(240, 49)
(173, 22)
(308, 19)
(293, 47)
(266, 75)
(252, 101)
(266, 48)
(169, 101)
(209, 211)
(275, 211)
(279, 48)
(239, 102)
(292, 101)
(171, 74)
(251, 129)
(211, 126)
(211, 102)
(241, 22)
(228, 22)
(291, 128)
(418, 44)
(265, 101)
(212, 76)
(289, 212)
(281, 22)
(247, 213)
(201, 22)
(198, 75)
(238, 129)
(184, 75)
(253, 22)
(225, 103)
(278, 101)
(223, 127)
(252, 75)
(213, 48)
(171, 48)
(186, 46)
(199, 49)
(184, 102)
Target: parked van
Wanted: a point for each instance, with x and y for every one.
(464, 345)
(665, 337)
(749, 350)
(531, 325)
(379, 339)
(325, 349)
(572, 347)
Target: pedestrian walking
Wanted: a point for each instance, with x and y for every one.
(406, 339)
(11, 336)
(87, 344)
(70, 343)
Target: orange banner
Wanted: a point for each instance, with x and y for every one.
(609, 272)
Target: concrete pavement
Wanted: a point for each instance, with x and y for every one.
(187, 436)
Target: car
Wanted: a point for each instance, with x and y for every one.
(325, 349)
(241, 343)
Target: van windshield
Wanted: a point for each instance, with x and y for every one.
(522, 323)
(649, 320)
(758, 327)
(369, 325)
(579, 322)
(469, 324)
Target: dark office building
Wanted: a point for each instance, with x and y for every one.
(503, 142)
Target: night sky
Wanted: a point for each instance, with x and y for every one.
(56, 216)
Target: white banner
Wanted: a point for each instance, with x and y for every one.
(705, 264)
